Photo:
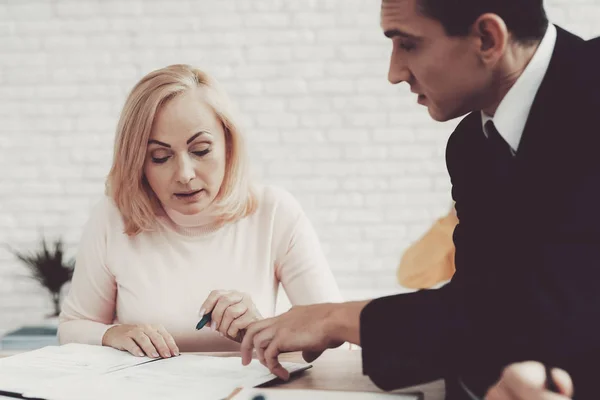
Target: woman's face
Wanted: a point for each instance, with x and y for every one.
(185, 156)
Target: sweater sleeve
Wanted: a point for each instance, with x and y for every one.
(300, 264)
(89, 308)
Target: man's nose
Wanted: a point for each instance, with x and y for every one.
(398, 71)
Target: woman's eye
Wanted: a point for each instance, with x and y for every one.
(201, 153)
(160, 160)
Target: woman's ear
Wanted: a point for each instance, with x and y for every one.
(491, 36)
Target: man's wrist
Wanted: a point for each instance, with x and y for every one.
(343, 324)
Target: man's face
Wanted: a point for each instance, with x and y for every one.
(445, 72)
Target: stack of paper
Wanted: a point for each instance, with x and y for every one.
(81, 372)
(280, 394)
(25, 371)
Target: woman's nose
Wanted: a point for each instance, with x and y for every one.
(185, 170)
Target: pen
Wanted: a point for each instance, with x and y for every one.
(550, 384)
(205, 320)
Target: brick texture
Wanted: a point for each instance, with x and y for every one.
(308, 77)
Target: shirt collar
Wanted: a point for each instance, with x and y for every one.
(513, 111)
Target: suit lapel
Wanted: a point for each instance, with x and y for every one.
(550, 132)
(548, 109)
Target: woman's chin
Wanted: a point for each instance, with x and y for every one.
(191, 209)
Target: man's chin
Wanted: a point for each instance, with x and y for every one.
(440, 116)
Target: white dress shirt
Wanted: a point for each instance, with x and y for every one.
(512, 113)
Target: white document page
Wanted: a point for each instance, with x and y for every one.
(281, 394)
(25, 371)
(185, 377)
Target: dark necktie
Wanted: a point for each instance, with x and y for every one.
(499, 146)
(502, 157)
(497, 141)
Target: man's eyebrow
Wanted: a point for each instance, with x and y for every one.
(397, 32)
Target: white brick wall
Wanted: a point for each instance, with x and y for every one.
(308, 76)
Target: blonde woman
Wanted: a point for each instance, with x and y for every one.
(182, 231)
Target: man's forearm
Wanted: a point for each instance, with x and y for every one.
(344, 321)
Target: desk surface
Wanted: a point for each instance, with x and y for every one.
(339, 369)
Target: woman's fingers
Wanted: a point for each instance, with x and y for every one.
(225, 301)
(232, 313)
(151, 340)
(144, 342)
(237, 328)
(158, 341)
(211, 301)
(169, 340)
(130, 346)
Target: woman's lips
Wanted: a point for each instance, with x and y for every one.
(189, 196)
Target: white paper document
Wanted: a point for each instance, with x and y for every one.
(78, 377)
(279, 394)
(19, 372)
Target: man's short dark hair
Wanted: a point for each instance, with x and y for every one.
(525, 19)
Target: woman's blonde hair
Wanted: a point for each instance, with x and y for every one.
(126, 183)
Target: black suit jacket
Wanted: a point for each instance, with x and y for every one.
(527, 282)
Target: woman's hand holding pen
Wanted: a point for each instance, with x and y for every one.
(141, 340)
(527, 381)
(231, 313)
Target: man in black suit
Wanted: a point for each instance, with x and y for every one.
(526, 181)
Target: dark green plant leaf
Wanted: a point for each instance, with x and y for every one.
(48, 266)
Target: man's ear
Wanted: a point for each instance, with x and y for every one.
(491, 36)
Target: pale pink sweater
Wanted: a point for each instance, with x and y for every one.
(164, 276)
